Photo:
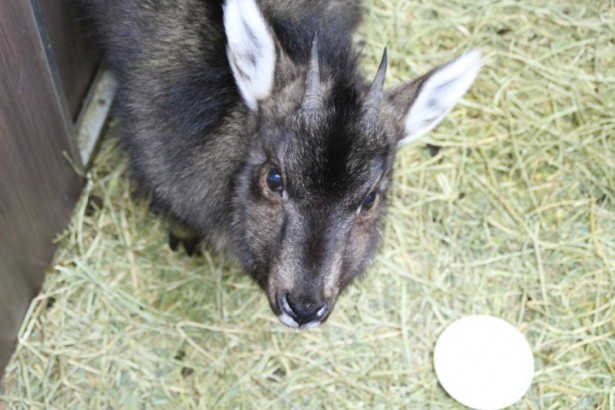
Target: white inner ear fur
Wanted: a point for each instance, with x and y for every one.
(439, 94)
(250, 50)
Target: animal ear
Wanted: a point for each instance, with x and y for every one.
(421, 105)
(250, 50)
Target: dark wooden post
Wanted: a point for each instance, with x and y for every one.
(38, 185)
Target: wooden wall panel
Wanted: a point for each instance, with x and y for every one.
(38, 187)
(74, 52)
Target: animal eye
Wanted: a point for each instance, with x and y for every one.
(274, 180)
(369, 201)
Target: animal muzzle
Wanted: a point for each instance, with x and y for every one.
(302, 313)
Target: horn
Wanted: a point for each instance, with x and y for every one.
(374, 96)
(312, 99)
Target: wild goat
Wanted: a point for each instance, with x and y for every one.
(249, 124)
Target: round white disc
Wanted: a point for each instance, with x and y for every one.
(484, 362)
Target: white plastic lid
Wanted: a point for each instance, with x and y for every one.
(484, 362)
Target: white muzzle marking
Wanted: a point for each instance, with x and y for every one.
(292, 323)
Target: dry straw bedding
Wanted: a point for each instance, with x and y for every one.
(514, 217)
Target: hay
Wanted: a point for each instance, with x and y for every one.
(514, 217)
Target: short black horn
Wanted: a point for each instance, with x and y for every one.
(313, 98)
(374, 96)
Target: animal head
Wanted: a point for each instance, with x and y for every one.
(313, 188)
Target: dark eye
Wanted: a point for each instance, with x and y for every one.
(369, 201)
(274, 180)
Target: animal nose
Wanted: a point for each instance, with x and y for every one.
(303, 311)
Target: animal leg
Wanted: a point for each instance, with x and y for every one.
(180, 235)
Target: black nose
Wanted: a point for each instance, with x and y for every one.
(303, 311)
